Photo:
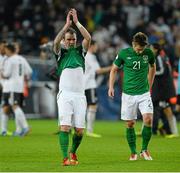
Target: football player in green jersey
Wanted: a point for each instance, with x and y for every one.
(71, 99)
(139, 69)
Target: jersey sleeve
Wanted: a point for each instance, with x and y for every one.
(28, 69)
(94, 63)
(119, 59)
(56, 56)
(82, 50)
(7, 70)
(60, 54)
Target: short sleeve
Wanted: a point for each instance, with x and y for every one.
(82, 50)
(60, 54)
(94, 63)
(28, 69)
(119, 59)
(8, 66)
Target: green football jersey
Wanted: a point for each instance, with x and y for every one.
(135, 68)
(70, 58)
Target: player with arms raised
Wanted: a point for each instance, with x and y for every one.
(71, 99)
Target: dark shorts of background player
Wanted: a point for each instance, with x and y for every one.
(162, 104)
(91, 96)
(17, 99)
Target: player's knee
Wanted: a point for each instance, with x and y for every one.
(79, 131)
(148, 120)
(130, 124)
(64, 128)
(15, 106)
(6, 110)
(92, 108)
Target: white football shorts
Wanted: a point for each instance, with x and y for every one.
(71, 109)
(130, 105)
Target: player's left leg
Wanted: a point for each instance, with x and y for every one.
(22, 127)
(80, 106)
(76, 141)
(146, 109)
(129, 114)
(91, 97)
(91, 116)
(5, 115)
(4, 122)
(172, 121)
(146, 135)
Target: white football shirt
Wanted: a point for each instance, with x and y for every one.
(2, 59)
(15, 70)
(72, 79)
(4, 82)
(91, 66)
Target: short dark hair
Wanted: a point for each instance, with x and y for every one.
(157, 46)
(3, 42)
(93, 42)
(141, 39)
(71, 31)
(11, 47)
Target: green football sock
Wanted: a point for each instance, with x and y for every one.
(146, 136)
(131, 138)
(64, 142)
(76, 140)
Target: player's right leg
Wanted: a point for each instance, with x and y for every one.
(4, 120)
(172, 121)
(91, 116)
(129, 114)
(91, 97)
(146, 109)
(131, 139)
(146, 136)
(80, 107)
(64, 143)
(76, 141)
(65, 111)
(5, 115)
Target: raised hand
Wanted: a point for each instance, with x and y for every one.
(68, 19)
(74, 14)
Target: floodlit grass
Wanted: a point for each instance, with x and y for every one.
(39, 151)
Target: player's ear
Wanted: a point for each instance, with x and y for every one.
(132, 43)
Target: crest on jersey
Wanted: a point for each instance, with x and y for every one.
(145, 58)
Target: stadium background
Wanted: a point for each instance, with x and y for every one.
(112, 23)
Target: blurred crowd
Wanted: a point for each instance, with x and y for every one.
(111, 23)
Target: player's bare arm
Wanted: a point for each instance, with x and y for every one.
(112, 78)
(103, 70)
(60, 35)
(87, 37)
(151, 74)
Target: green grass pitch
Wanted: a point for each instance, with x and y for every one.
(39, 151)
